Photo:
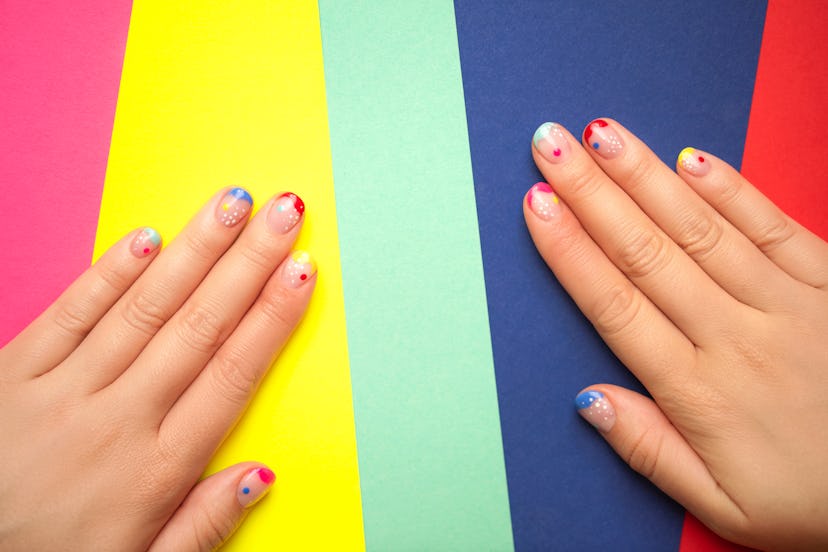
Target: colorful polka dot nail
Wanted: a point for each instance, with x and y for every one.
(234, 207)
(543, 201)
(298, 269)
(551, 143)
(600, 137)
(694, 161)
(595, 408)
(286, 211)
(254, 485)
(145, 242)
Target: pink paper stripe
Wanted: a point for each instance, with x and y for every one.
(60, 67)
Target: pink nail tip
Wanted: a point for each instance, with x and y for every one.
(543, 201)
(266, 475)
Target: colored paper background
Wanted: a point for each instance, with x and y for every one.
(406, 130)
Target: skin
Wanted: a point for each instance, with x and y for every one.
(116, 397)
(718, 302)
(714, 299)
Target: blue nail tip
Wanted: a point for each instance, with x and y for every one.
(241, 193)
(585, 399)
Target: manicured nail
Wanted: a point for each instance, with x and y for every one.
(551, 142)
(298, 269)
(234, 207)
(254, 485)
(595, 408)
(145, 242)
(602, 138)
(285, 212)
(694, 162)
(543, 201)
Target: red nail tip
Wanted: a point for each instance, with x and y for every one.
(597, 122)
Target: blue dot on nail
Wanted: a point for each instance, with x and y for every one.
(596, 145)
(585, 399)
(246, 490)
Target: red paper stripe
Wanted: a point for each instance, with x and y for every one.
(785, 146)
(61, 67)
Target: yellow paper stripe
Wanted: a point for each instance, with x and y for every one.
(218, 93)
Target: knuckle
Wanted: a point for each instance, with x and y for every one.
(773, 234)
(640, 173)
(584, 184)
(729, 192)
(700, 235)
(212, 528)
(73, 318)
(258, 256)
(616, 310)
(645, 451)
(234, 377)
(144, 312)
(200, 247)
(201, 328)
(277, 307)
(112, 277)
(642, 253)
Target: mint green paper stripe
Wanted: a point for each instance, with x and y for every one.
(431, 463)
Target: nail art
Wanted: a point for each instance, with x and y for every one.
(543, 201)
(298, 269)
(595, 408)
(145, 242)
(254, 486)
(285, 212)
(694, 162)
(234, 207)
(602, 138)
(551, 142)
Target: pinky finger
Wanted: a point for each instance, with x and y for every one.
(644, 438)
(784, 241)
(57, 332)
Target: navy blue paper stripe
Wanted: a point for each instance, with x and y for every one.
(677, 75)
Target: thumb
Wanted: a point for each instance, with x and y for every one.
(645, 439)
(214, 509)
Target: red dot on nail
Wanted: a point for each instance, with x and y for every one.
(146, 250)
(701, 159)
(557, 152)
(303, 277)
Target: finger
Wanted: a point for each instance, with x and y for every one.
(60, 329)
(641, 336)
(644, 438)
(214, 509)
(182, 349)
(643, 252)
(723, 252)
(794, 249)
(222, 390)
(135, 319)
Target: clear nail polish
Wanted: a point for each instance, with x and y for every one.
(543, 201)
(254, 485)
(694, 162)
(286, 211)
(551, 142)
(234, 207)
(145, 242)
(603, 139)
(595, 408)
(298, 269)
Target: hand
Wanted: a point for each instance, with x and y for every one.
(114, 399)
(716, 301)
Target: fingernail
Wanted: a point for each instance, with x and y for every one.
(285, 212)
(595, 408)
(254, 486)
(234, 207)
(551, 142)
(694, 162)
(298, 269)
(543, 201)
(145, 242)
(602, 138)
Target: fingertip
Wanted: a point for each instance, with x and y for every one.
(145, 242)
(254, 485)
(594, 406)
